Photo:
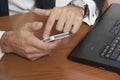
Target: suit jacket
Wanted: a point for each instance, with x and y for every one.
(44, 4)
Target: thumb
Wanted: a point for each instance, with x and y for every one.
(42, 12)
(33, 26)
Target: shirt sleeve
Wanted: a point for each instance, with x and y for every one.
(93, 12)
(61, 3)
(1, 53)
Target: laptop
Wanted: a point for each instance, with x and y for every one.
(101, 46)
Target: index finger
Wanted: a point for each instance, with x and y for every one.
(49, 25)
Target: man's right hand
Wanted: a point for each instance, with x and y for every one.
(23, 42)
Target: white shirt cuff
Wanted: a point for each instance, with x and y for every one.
(61, 3)
(1, 53)
(93, 12)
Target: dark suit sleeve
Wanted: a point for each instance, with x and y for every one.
(4, 8)
(100, 4)
(45, 4)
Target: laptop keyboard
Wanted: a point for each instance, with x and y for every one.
(112, 51)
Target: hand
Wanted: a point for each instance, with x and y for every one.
(24, 43)
(69, 19)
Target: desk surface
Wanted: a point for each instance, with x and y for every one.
(53, 67)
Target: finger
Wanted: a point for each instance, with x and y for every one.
(34, 53)
(49, 25)
(35, 42)
(39, 48)
(42, 12)
(77, 24)
(61, 21)
(37, 25)
(40, 55)
(51, 45)
(33, 26)
(35, 56)
(69, 22)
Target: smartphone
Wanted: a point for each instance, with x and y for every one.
(56, 37)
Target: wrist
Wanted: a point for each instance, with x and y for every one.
(4, 42)
(79, 10)
(80, 4)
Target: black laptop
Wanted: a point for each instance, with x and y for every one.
(101, 46)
